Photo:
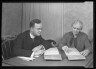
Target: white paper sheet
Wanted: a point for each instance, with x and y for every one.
(74, 54)
(52, 51)
(26, 58)
(52, 54)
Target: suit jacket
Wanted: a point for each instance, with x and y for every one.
(24, 44)
(82, 41)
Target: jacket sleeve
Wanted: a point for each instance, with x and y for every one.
(88, 44)
(18, 51)
(63, 41)
(45, 43)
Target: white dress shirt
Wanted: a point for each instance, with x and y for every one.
(32, 36)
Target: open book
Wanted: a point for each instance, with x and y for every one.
(74, 54)
(52, 54)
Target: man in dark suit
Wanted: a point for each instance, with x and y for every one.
(76, 39)
(31, 41)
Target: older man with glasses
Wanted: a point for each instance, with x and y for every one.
(77, 39)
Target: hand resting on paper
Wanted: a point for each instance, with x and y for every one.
(65, 48)
(85, 52)
(38, 53)
(38, 48)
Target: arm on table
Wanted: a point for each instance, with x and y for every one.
(88, 47)
(63, 42)
(46, 43)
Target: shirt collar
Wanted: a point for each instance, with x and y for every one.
(32, 36)
(79, 34)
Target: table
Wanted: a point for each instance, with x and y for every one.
(39, 61)
(4, 64)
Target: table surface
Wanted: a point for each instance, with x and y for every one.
(39, 61)
(4, 64)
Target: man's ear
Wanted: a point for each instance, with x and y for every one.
(31, 28)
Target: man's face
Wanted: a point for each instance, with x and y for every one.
(76, 28)
(36, 30)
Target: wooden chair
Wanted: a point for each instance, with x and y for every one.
(7, 48)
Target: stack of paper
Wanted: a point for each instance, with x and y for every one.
(74, 54)
(52, 54)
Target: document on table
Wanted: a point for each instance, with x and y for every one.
(74, 54)
(52, 54)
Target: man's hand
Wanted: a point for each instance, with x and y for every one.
(37, 48)
(39, 52)
(85, 52)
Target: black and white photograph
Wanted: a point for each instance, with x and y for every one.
(47, 34)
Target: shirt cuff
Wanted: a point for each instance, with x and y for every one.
(32, 55)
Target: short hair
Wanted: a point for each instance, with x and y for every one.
(76, 22)
(32, 23)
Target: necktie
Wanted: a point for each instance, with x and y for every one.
(75, 42)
